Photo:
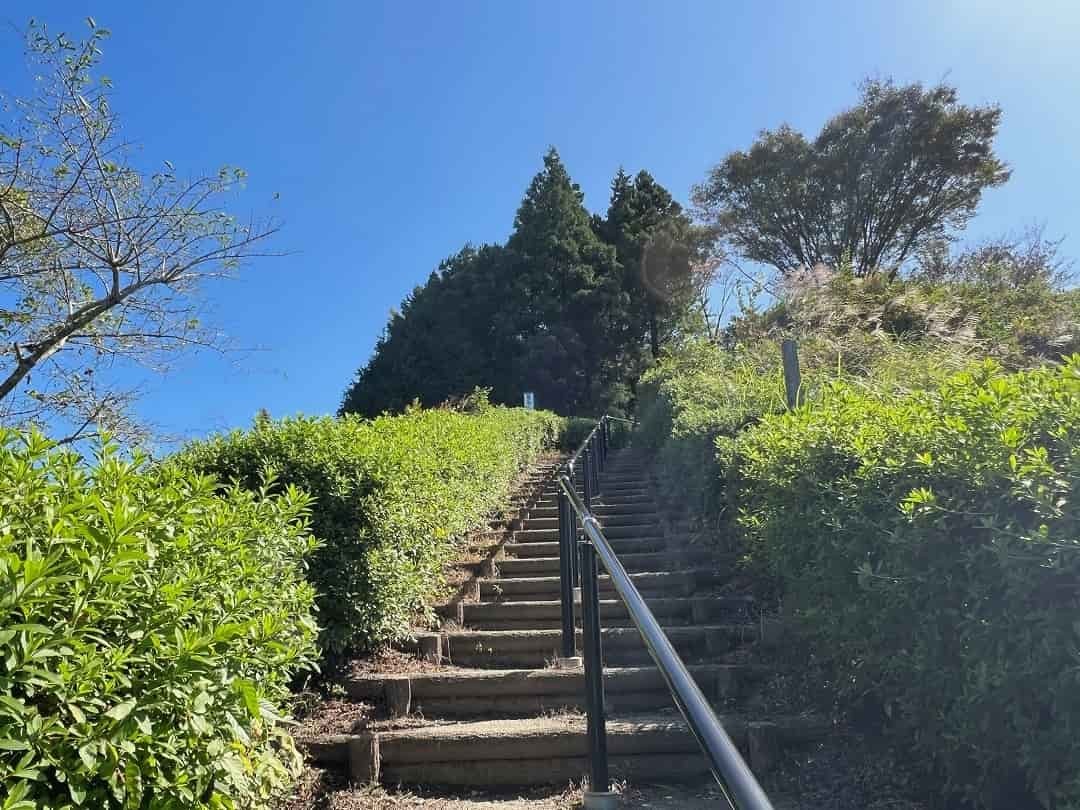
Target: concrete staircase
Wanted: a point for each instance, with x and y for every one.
(496, 712)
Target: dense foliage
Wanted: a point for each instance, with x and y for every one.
(903, 488)
(571, 308)
(899, 170)
(930, 546)
(149, 627)
(392, 496)
(692, 397)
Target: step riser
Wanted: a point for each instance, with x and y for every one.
(662, 752)
(609, 521)
(531, 616)
(496, 590)
(556, 624)
(666, 591)
(551, 549)
(601, 511)
(634, 563)
(716, 681)
(612, 532)
(622, 647)
(525, 706)
(558, 771)
(644, 502)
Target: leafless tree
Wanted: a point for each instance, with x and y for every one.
(100, 261)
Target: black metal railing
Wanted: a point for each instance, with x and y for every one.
(725, 761)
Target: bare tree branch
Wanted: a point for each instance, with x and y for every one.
(100, 261)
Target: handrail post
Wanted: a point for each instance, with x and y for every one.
(567, 565)
(587, 472)
(573, 530)
(726, 762)
(596, 722)
(600, 458)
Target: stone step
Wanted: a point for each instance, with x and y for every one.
(638, 490)
(533, 523)
(521, 692)
(547, 614)
(600, 509)
(543, 750)
(624, 499)
(617, 519)
(656, 583)
(611, 531)
(550, 548)
(534, 649)
(605, 482)
(633, 562)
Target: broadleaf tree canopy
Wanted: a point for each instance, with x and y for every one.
(904, 167)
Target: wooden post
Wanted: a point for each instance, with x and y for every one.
(364, 758)
(398, 694)
(763, 742)
(792, 379)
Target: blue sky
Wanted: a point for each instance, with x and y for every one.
(395, 132)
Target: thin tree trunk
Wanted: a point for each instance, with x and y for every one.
(654, 334)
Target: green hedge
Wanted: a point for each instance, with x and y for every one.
(691, 398)
(703, 394)
(929, 545)
(392, 495)
(149, 627)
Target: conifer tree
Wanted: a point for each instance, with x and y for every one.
(568, 284)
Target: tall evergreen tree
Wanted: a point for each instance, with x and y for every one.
(567, 309)
(567, 279)
(454, 333)
(656, 246)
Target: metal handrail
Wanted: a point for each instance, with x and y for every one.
(572, 461)
(727, 764)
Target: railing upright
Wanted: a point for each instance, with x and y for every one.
(567, 542)
(586, 469)
(596, 719)
(581, 554)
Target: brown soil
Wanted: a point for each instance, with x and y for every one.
(334, 716)
(393, 662)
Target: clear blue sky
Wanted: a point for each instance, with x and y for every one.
(395, 132)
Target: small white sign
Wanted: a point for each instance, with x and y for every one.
(530, 400)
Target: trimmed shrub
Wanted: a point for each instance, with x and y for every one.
(694, 396)
(701, 396)
(929, 544)
(149, 627)
(577, 428)
(392, 494)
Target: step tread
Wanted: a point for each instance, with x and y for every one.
(556, 634)
(654, 602)
(423, 682)
(680, 573)
(635, 730)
